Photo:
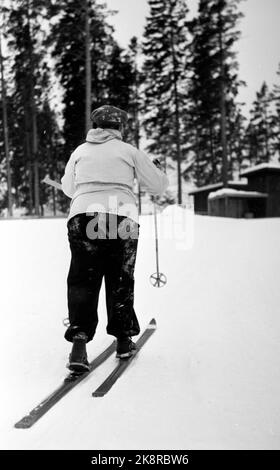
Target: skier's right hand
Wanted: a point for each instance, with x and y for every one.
(158, 164)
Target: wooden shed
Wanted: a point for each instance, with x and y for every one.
(266, 178)
(238, 204)
(201, 194)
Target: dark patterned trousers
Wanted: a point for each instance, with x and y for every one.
(102, 246)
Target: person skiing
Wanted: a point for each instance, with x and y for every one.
(103, 231)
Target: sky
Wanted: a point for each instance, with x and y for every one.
(258, 49)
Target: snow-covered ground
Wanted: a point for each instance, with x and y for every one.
(209, 378)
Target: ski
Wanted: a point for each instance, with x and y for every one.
(68, 384)
(124, 363)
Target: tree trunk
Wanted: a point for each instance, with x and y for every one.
(30, 181)
(88, 69)
(223, 106)
(267, 156)
(35, 160)
(137, 143)
(6, 134)
(28, 152)
(177, 120)
(51, 154)
(54, 175)
(54, 201)
(136, 121)
(33, 119)
(212, 152)
(197, 158)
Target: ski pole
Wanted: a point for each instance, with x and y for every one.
(56, 185)
(157, 279)
(51, 182)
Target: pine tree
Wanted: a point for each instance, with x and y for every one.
(119, 78)
(134, 109)
(135, 99)
(260, 131)
(28, 70)
(236, 143)
(30, 118)
(165, 45)
(276, 118)
(4, 119)
(213, 88)
(69, 45)
(35, 137)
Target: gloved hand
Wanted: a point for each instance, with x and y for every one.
(158, 164)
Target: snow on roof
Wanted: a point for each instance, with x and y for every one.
(235, 193)
(216, 185)
(261, 166)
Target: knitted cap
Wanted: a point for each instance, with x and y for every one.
(108, 114)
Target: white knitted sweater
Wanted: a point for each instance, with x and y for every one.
(100, 174)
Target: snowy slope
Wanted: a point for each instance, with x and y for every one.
(209, 378)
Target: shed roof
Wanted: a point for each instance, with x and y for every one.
(236, 193)
(209, 187)
(262, 167)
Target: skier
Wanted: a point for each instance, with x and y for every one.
(103, 231)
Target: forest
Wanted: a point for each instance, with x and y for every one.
(180, 83)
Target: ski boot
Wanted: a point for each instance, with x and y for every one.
(125, 347)
(78, 362)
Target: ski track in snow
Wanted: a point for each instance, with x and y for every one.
(209, 377)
